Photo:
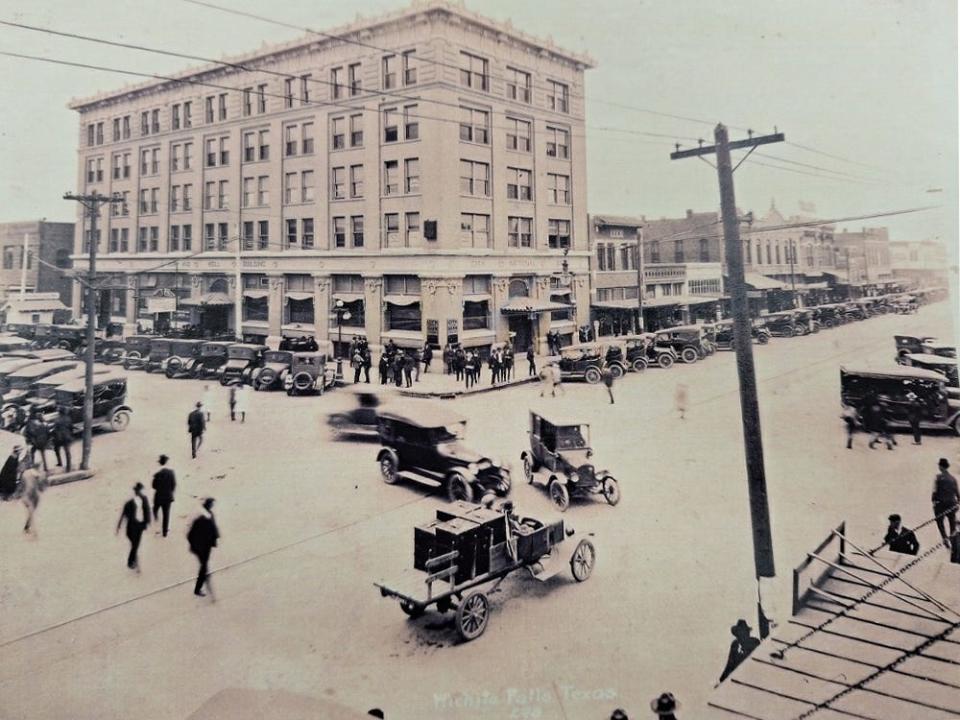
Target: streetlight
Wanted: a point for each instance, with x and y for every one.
(342, 314)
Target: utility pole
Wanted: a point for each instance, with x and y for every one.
(640, 284)
(743, 344)
(23, 266)
(91, 204)
(791, 250)
(238, 289)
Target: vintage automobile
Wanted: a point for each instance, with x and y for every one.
(783, 324)
(107, 351)
(213, 356)
(724, 334)
(182, 358)
(68, 337)
(581, 362)
(914, 344)
(276, 367)
(686, 341)
(34, 357)
(468, 546)
(944, 365)
(829, 315)
(362, 419)
(423, 441)
(242, 360)
(43, 336)
(643, 350)
(940, 411)
(614, 355)
(561, 446)
(109, 402)
(10, 344)
(310, 372)
(906, 305)
(805, 318)
(27, 331)
(136, 351)
(44, 389)
(159, 352)
(21, 384)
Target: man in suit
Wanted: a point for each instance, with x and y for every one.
(196, 425)
(63, 437)
(164, 483)
(203, 538)
(899, 539)
(136, 514)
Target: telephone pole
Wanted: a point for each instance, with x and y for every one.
(91, 204)
(640, 282)
(743, 344)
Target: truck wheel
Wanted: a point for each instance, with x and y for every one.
(528, 469)
(119, 420)
(473, 613)
(459, 488)
(639, 365)
(559, 494)
(582, 561)
(611, 490)
(665, 361)
(689, 355)
(592, 375)
(388, 469)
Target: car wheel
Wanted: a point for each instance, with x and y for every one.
(170, 372)
(528, 469)
(665, 361)
(611, 490)
(459, 488)
(388, 469)
(120, 420)
(559, 495)
(956, 425)
(797, 330)
(582, 561)
(689, 355)
(413, 609)
(616, 371)
(592, 375)
(763, 338)
(639, 365)
(473, 614)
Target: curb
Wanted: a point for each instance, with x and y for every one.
(73, 476)
(453, 394)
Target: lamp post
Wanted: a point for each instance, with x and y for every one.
(342, 314)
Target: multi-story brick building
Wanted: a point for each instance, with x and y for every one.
(863, 261)
(920, 263)
(48, 250)
(426, 168)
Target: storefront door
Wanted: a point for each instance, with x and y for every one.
(521, 330)
(214, 319)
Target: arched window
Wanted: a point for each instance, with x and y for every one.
(518, 288)
(218, 285)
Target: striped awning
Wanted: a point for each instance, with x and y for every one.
(299, 296)
(214, 298)
(520, 305)
(256, 294)
(401, 299)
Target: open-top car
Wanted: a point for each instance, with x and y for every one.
(686, 340)
(560, 446)
(110, 409)
(423, 441)
(581, 362)
(310, 372)
(724, 334)
(242, 360)
(276, 367)
(946, 366)
(13, 343)
(611, 350)
(213, 356)
(916, 344)
(644, 350)
(362, 419)
(136, 351)
(468, 546)
(783, 324)
(182, 358)
(20, 385)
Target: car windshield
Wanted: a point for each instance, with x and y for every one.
(450, 433)
(571, 437)
(160, 347)
(279, 356)
(182, 349)
(240, 353)
(214, 350)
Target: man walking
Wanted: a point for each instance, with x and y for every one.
(32, 482)
(136, 514)
(531, 362)
(37, 436)
(367, 363)
(63, 436)
(427, 357)
(196, 425)
(899, 539)
(914, 414)
(203, 537)
(408, 363)
(607, 376)
(164, 483)
(233, 402)
(945, 498)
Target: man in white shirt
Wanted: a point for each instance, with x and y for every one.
(136, 514)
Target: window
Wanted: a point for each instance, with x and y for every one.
(356, 181)
(174, 238)
(175, 116)
(155, 121)
(340, 232)
(411, 124)
(749, 249)
(474, 230)
(474, 72)
(188, 197)
(223, 195)
(144, 201)
(247, 106)
(391, 131)
(154, 238)
(261, 99)
(90, 134)
(474, 178)
(125, 207)
(305, 89)
(474, 125)
(116, 129)
(211, 152)
(559, 187)
(337, 130)
(520, 232)
(306, 138)
(144, 165)
(338, 189)
(518, 135)
(777, 248)
(626, 258)
(263, 234)
(307, 234)
(222, 105)
(353, 79)
(290, 144)
(356, 223)
(175, 198)
(519, 184)
(356, 131)
(411, 175)
(413, 228)
(612, 257)
(255, 309)
(390, 64)
(91, 171)
(99, 170)
(263, 191)
(291, 233)
(115, 240)
(155, 161)
(187, 155)
(247, 237)
(142, 239)
(209, 239)
(519, 84)
(174, 158)
(225, 150)
(678, 255)
(558, 234)
(116, 167)
(704, 250)
(246, 196)
(391, 227)
(144, 126)
(558, 96)
(306, 186)
(249, 146)
(187, 114)
(100, 132)
(290, 188)
(601, 258)
(336, 83)
(769, 255)
(410, 67)
(208, 109)
(126, 127)
(558, 143)
(391, 170)
(288, 93)
(209, 188)
(186, 238)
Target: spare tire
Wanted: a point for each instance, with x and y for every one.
(303, 381)
(266, 378)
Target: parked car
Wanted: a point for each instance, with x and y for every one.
(213, 356)
(561, 446)
(686, 341)
(13, 343)
(136, 351)
(20, 385)
(940, 411)
(242, 360)
(829, 315)
(310, 372)
(944, 365)
(35, 357)
(424, 441)
(581, 362)
(109, 402)
(182, 358)
(916, 344)
(26, 331)
(362, 419)
(782, 324)
(159, 352)
(68, 337)
(724, 334)
(106, 351)
(276, 367)
(806, 319)
(45, 388)
(644, 350)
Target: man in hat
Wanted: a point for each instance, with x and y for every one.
(945, 498)
(10, 473)
(900, 539)
(203, 537)
(164, 483)
(136, 514)
(665, 706)
(741, 647)
(914, 415)
(196, 425)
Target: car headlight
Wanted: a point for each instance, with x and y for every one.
(574, 477)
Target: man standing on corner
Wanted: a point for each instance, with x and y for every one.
(164, 483)
(945, 498)
(196, 425)
(136, 513)
(203, 537)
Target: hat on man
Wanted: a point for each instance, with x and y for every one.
(619, 714)
(741, 628)
(162, 459)
(944, 463)
(199, 404)
(207, 503)
(666, 704)
(138, 487)
(894, 518)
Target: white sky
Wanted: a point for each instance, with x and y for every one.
(873, 81)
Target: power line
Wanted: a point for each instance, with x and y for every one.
(832, 156)
(817, 175)
(818, 167)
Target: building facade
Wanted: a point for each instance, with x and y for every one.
(919, 263)
(425, 174)
(48, 249)
(863, 261)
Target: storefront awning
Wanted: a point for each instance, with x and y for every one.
(520, 305)
(814, 286)
(256, 294)
(628, 304)
(559, 292)
(401, 299)
(679, 300)
(476, 298)
(213, 298)
(299, 296)
(762, 282)
(33, 305)
(347, 297)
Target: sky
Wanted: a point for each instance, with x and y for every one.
(870, 85)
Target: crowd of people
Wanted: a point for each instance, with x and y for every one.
(873, 416)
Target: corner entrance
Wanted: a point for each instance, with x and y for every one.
(522, 332)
